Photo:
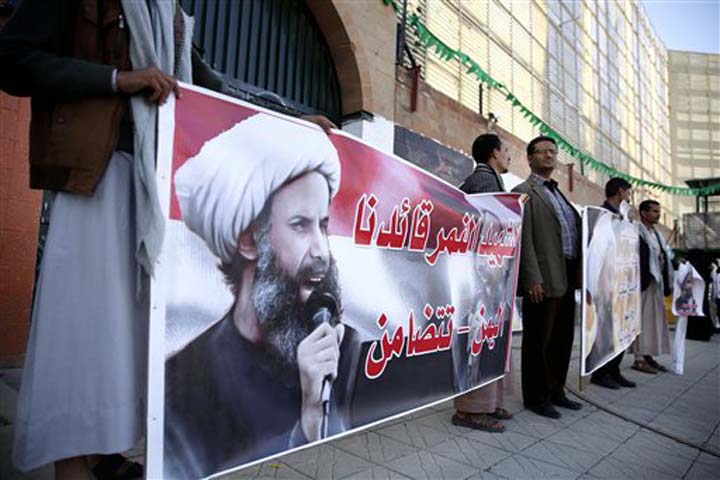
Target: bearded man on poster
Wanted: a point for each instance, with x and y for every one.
(618, 193)
(250, 385)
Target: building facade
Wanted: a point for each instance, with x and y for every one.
(593, 70)
(694, 85)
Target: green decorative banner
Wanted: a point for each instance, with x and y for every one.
(447, 53)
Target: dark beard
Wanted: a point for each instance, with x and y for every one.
(279, 313)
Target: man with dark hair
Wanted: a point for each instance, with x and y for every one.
(549, 275)
(492, 159)
(655, 282)
(482, 409)
(617, 192)
(250, 385)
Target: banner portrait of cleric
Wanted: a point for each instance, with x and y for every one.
(611, 288)
(276, 370)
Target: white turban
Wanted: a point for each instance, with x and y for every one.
(223, 189)
(602, 241)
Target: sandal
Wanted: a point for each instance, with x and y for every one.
(478, 421)
(117, 467)
(501, 414)
(643, 366)
(651, 361)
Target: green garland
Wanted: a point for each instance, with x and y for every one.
(431, 41)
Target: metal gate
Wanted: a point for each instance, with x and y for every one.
(269, 48)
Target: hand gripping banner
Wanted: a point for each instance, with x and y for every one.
(309, 286)
(611, 287)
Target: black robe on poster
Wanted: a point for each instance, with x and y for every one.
(227, 402)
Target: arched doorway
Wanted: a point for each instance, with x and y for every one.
(271, 50)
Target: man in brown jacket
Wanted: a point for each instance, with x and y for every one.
(95, 71)
(82, 391)
(549, 274)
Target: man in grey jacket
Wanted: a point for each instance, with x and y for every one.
(549, 274)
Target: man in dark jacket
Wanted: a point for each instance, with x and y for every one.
(617, 191)
(492, 159)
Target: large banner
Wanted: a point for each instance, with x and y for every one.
(611, 287)
(310, 285)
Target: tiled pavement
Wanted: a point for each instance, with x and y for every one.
(588, 444)
(591, 443)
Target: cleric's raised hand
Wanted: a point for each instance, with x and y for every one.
(317, 355)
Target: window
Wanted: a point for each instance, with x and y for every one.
(499, 20)
(477, 10)
(700, 135)
(698, 82)
(521, 45)
(700, 117)
(539, 58)
(288, 57)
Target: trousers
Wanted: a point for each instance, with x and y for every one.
(547, 339)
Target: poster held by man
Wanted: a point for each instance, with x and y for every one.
(611, 287)
(265, 214)
(687, 300)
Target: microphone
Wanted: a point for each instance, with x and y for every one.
(321, 308)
